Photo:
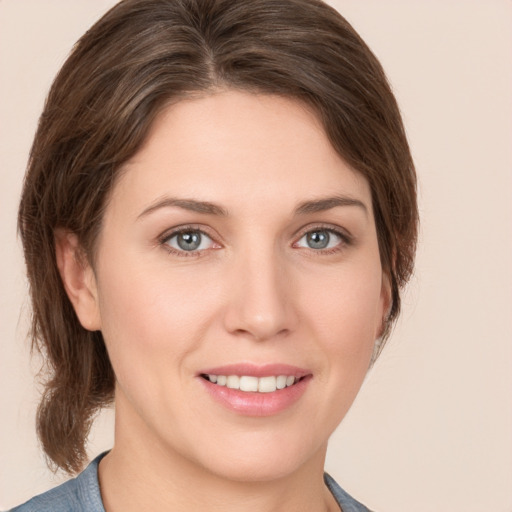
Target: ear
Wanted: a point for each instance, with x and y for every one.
(386, 303)
(78, 278)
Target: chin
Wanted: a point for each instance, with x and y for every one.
(260, 470)
(266, 459)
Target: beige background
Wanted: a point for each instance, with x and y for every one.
(432, 427)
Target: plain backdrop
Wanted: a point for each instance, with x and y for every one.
(432, 427)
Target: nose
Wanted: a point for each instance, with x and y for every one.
(261, 297)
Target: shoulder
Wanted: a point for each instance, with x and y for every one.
(81, 494)
(345, 501)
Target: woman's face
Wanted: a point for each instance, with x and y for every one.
(238, 245)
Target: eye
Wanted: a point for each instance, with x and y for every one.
(189, 240)
(319, 239)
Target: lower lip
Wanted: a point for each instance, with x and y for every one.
(257, 404)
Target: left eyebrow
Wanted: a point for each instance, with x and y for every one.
(185, 204)
(327, 203)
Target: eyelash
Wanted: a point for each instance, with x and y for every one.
(163, 240)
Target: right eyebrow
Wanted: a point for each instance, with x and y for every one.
(186, 204)
(327, 203)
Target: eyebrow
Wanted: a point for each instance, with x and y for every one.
(328, 203)
(207, 208)
(186, 204)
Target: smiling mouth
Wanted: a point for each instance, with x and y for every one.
(251, 384)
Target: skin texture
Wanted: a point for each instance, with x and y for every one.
(254, 292)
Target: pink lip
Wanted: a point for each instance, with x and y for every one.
(256, 370)
(257, 404)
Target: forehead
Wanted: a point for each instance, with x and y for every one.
(241, 149)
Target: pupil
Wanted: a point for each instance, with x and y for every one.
(318, 239)
(189, 241)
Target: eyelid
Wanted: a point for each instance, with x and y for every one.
(338, 230)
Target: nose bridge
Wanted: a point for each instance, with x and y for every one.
(261, 302)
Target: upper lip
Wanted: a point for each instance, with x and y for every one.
(256, 370)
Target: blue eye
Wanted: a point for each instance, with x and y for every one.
(189, 241)
(319, 239)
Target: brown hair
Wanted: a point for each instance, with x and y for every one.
(140, 56)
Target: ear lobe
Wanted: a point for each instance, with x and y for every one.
(78, 279)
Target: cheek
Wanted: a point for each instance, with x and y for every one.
(345, 314)
(348, 308)
(147, 312)
(151, 323)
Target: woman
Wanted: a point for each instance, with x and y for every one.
(218, 217)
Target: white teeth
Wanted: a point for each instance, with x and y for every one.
(267, 385)
(281, 382)
(233, 382)
(248, 383)
(253, 384)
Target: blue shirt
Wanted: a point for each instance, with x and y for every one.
(82, 494)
